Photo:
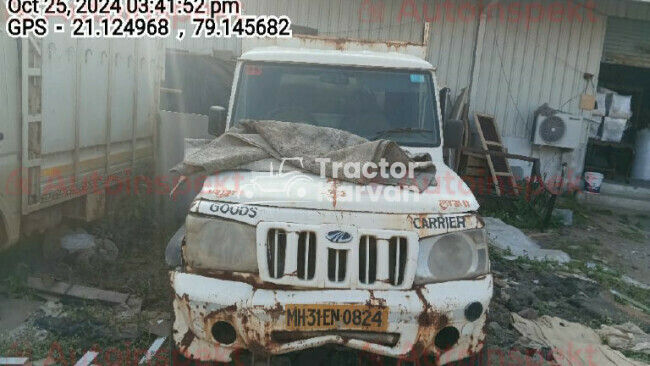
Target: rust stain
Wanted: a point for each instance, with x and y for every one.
(340, 42)
(252, 279)
(187, 340)
(480, 223)
(222, 193)
(333, 192)
(276, 311)
(373, 301)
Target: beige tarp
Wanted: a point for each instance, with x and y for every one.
(572, 344)
(626, 337)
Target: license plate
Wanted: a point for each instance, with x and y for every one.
(327, 317)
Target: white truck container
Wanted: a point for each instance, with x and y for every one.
(76, 116)
(278, 271)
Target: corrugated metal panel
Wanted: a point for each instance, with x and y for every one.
(627, 42)
(523, 66)
(335, 18)
(452, 43)
(624, 9)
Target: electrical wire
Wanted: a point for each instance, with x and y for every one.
(509, 87)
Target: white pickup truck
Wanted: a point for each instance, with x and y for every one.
(287, 271)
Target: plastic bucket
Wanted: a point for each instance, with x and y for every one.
(593, 181)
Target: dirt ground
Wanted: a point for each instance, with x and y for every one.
(605, 247)
(66, 328)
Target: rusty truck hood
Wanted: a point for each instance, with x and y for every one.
(449, 195)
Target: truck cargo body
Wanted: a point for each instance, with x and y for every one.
(77, 116)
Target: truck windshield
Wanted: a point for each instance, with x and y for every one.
(397, 105)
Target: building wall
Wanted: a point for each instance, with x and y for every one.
(451, 42)
(523, 66)
(513, 66)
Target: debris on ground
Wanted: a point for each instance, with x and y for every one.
(635, 283)
(77, 241)
(160, 325)
(507, 237)
(625, 337)
(569, 344)
(631, 301)
(82, 292)
(103, 253)
(564, 215)
(14, 312)
(67, 327)
(79, 247)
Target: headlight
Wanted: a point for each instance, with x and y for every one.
(454, 256)
(220, 245)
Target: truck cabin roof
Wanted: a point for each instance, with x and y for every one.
(337, 58)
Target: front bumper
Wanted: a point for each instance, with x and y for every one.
(257, 315)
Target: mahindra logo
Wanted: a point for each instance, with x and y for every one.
(338, 236)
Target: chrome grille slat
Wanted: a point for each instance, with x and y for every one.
(336, 267)
(276, 249)
(367, 260)
(306, 255)
(275, 257)
(396, 281)
(367, 278)
(301, 255)
(307, 237)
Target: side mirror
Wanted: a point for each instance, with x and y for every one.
(217, 121)
(453, 131)
(443, 96)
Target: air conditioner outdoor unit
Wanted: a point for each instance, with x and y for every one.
(560, 130)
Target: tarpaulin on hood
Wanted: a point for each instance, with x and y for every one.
(303, 146)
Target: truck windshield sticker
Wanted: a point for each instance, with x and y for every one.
(233, 210)
(253, 70)
(417, 78)
(439, 222)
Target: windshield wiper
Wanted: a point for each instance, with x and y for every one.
(399, 131)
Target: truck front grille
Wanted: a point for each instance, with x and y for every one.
(306, 255)
(368, 260)
(276, 246)
(301, 255)
(337, 265)
(397, 260)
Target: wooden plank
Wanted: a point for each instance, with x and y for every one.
(480, 152)
(485, 146)
(474, 160)
(481, 172)
(59, 288)
(491, 140)
(473, 155)
(90, 293)
(488, 128)
(478, 166)
(82, 292)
